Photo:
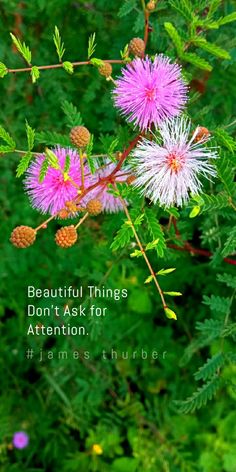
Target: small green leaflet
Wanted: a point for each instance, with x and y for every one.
(152, 244)
(139, 22)
(172, 211)
(52, 138)
(68, 66)
(197, 61)
(35, 73)
(227, 279)
(227, 19)
(217, 303)
(127, 222)
(170, 314)
(149, 246)
(26, 158)
(3, 69)
(155, 231)
(225, 139)
(67, 164)
(184, 7)
(136, 253)
(30, 136)
(230, 244)
(127, 7)
(165, 271)
(225, 174)
(211, 367)
(195, 211)
(122, 237)
(138, 220)
(213, 49)
(112, 148)
(149, 279)
(5, 149)
(90, 160)
(174, 35)
(213, 7)
(58, 43)
(43, 170)
(201, 396)
(5, 136)
(109, 145)
(161, 272)
(22, 48)
(214, 202)
(125, 53)
(52, 158)
(173, 294)
(91, 45)
(23, 164)
(73, 115)
(96, 62)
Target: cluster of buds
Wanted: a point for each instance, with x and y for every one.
(24, 236)
(70, 209)
(77, 176)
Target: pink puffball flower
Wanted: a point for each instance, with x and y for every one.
(20, 440)
(168, 172)
(150, 92)
(50, 195)
(110, 203)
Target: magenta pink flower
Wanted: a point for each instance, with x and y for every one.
(51, 195)
(20, 440)
(150, 92)
(110, 203)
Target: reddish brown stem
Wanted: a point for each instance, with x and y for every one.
(176, 227)
(125, 154)
(202, 252)
(146, 27)
(110, 178)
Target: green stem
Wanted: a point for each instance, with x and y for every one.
(143, 5)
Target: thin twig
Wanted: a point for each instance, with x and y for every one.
(60, 65)
(45, 223)
(111, 80)
(82, 220)
(146, 27)
(81, 157)
(142, 250)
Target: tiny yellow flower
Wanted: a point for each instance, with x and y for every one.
(97, 449)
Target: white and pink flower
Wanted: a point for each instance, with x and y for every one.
(168, 172)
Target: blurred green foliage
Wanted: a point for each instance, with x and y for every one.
(127, 407)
